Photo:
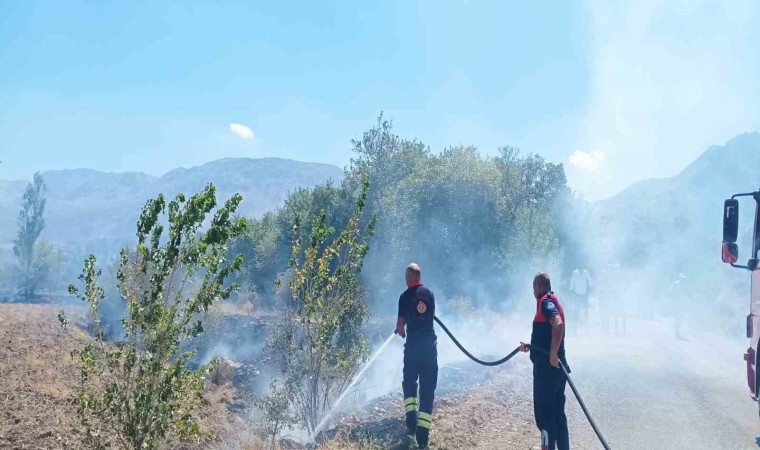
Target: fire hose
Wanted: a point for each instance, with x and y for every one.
(540, 350)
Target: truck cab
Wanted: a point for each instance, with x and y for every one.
(730, 255)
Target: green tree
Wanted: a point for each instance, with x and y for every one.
(261, 256)
(461, 215)
(464, 216)
(32, 270)
(267, 244)
(139, 392)
(278, 414)
(319, 346)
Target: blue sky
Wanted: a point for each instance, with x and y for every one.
(616, 91)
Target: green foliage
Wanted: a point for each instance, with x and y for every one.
(319, 346)
(462, 216)
(267, 244)
(471, 221)
(36, 260)
(139, 392)
(278, 414)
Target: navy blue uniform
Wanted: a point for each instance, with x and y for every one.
(417, 306)
(548, 381)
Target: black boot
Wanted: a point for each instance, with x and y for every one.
(423, 437)
(411, 423)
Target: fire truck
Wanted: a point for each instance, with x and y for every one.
(730, 255)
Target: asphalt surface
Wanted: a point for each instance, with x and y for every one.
(645, 389)
(648, 390)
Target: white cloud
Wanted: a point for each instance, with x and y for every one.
(242, 131)
(587, 162)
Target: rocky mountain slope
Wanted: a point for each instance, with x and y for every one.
(86, 206)
(664, 220)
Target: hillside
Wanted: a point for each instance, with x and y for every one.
(714, 176)
(663, 227)
(86, 206)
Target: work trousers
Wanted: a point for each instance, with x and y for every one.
(420, 364)
(581, 309)
(549, 406)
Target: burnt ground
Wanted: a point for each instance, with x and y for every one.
(478, 408)
(646, 391)
(490, 414)
(38, 377)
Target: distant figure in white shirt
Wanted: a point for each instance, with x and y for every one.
(580, 285)
(680, 287)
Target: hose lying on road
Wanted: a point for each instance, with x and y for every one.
(540, 350)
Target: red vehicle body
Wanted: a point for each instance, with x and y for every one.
(731, 256)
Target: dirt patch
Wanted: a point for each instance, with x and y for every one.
(475, 408)
(39, 377)
(498, 413)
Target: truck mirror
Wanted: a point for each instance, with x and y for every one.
(730, 221)
(730, 253)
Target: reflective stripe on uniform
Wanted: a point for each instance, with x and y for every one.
(410, 404)
(424, 420)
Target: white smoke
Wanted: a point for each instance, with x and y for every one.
(668, 79)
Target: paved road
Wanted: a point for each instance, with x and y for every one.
(646, 390)
(652, 392)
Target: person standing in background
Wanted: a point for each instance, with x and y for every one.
(678, 288)
(580, 287)
(613, 309)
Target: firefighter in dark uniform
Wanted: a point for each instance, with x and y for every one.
(416, 310)
(548, 378)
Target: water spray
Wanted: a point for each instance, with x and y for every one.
(353, 383)
(377, 353)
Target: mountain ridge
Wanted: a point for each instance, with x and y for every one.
(655, 223)
(86, 205)
(741, 151)
(176, 169)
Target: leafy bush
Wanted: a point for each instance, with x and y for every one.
(139, 392)
(319, 346)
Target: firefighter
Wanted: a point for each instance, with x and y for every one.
(548, 378)
(416, 310)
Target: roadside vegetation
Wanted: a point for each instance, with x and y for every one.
(310, 277)
(139, 392)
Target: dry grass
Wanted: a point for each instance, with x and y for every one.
(245, 308)
(496, 414)
(39, 377)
